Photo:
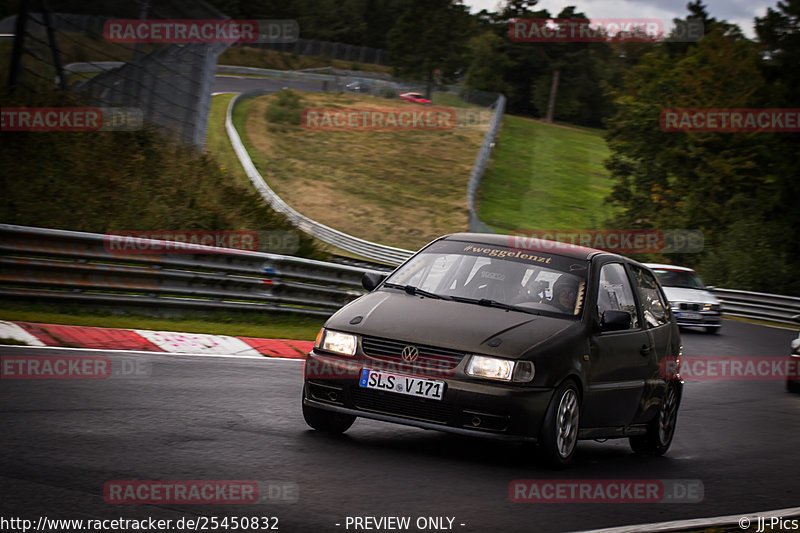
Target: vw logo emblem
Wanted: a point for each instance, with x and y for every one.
(409, 354)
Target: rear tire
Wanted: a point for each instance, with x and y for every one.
(559, 436)
(793, 387)
(327, 421)
(661, 429)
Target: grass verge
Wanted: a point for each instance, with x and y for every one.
(545, 176)
(268, 326)
(401, 188)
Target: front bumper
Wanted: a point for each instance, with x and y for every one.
(469, 407)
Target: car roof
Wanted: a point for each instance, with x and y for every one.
(541, 245)
(664, 266)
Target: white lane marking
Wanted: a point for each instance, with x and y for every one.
(177, 342)
(699, 523)
(4, 349)
(9, 330)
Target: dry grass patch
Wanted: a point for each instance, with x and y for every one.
(401, 188)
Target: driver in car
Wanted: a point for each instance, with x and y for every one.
(565, 292)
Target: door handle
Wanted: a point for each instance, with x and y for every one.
(645, 351)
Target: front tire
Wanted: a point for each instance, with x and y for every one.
(327, 421)
(713, 330)
(661, 429)
(559, 435)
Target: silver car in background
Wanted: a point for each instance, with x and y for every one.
(692, 302)
(792, 383)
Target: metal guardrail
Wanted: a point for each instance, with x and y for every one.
(64, 265)
(50, 264)
(479, 167)
(758, 305)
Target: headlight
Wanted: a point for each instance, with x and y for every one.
(481, 366)
(336, 342)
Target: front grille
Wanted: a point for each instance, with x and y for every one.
(691, 307)
(401, 405)
(431, 358)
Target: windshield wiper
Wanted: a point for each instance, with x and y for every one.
(416, 291)
(494, 303)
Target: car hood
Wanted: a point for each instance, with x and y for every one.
(460, 326)
(678, 294)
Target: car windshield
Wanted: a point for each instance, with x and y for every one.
(679, 278)
(518, 279)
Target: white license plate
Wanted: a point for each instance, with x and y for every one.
(690, 316)
(432, 389)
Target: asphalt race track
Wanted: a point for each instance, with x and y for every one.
(227, 418)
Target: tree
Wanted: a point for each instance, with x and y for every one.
(431, 35)
(726, 184)
(489, 63)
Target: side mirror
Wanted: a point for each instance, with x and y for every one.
(615, 321)
(710, 287)
(370, 280)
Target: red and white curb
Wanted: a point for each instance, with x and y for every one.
(11, 331)
(34, 334)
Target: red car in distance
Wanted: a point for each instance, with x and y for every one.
(417, 98)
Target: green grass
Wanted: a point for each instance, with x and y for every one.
(11, 342)
(452, 100)
(217, 141)
(261, 325)
(545, 177)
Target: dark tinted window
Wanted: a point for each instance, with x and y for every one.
(679, 278)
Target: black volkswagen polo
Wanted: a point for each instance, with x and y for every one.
(504, 337)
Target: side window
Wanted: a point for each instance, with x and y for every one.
(615, 293)
(654, 309)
